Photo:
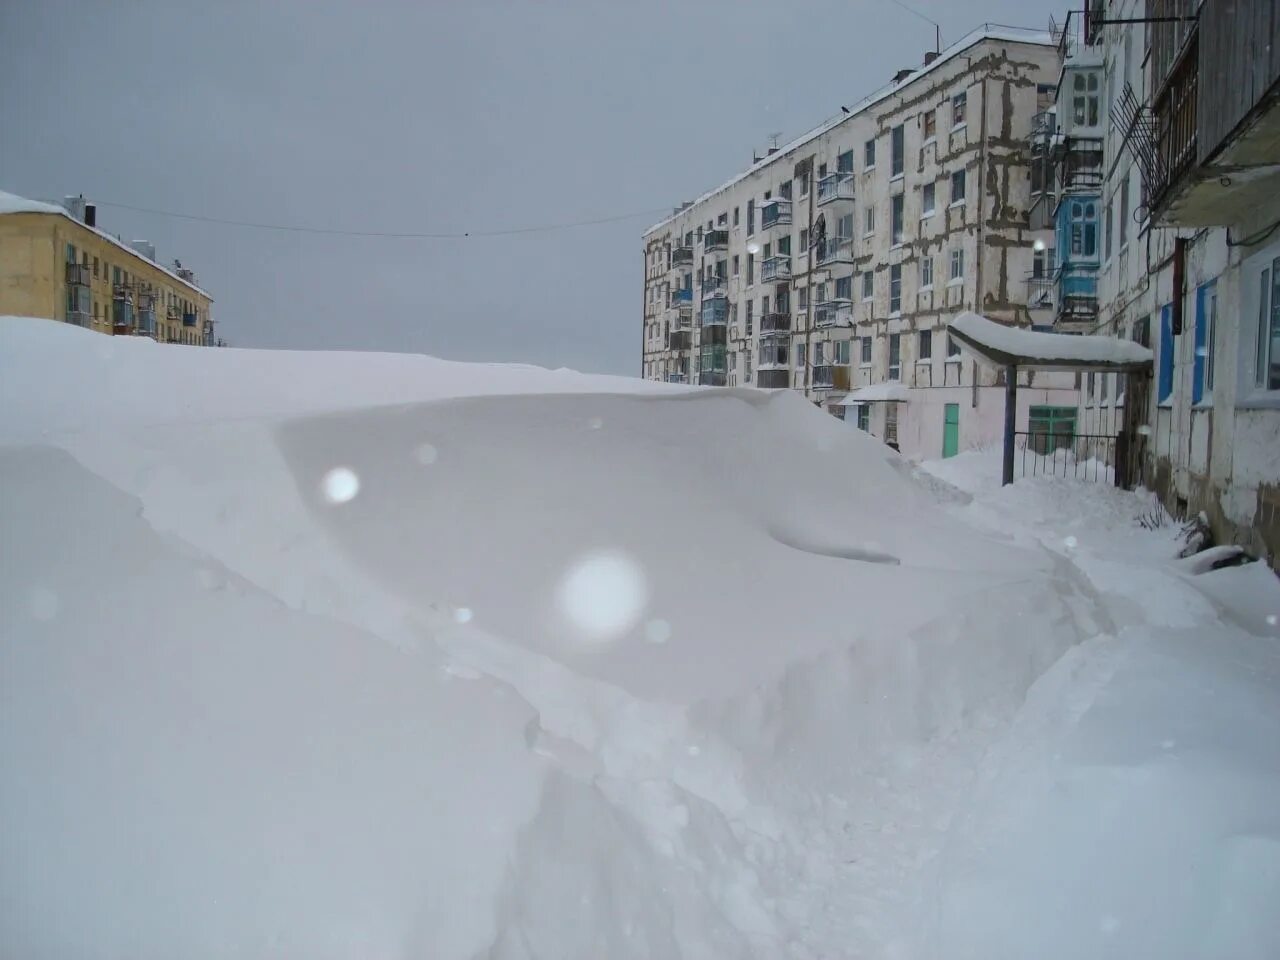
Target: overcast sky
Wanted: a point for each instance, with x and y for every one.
(430, 117)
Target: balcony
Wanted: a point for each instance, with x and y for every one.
(122, 292)
(122, 316)
(681, 317)
(681, 257)
(189, 320)
(714, 285)
(772, 324)
(835, 250)
(833, 313)
(679, 340)
(775, 268)
(835, 186)
(714, 240)
(715, 311)
(1078, 165)
(712, 378)
(1215, 113)
(775, 213)
(773, 378)
(681, 296)
(80, 318)
(1076, 308)
(1040, 293)
(831, 376)
(77, 274)
(145, 322)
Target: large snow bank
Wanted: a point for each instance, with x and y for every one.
(365, 655)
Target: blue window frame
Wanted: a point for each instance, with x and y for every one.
(1206, 315)
(1166, 353)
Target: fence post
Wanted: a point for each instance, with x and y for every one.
(1010, 420)
(1121, 478)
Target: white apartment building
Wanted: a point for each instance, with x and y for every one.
(833, 265)
(1190, 251)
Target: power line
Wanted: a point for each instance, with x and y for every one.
(385, 234)
(936, 26)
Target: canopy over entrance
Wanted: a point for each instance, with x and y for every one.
(1007, 346)
(1013, 347)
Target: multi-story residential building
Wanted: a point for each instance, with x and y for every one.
(56, 263)
(832, 265)
(1189, 251)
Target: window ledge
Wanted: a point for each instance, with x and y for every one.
(898, 245)
(927, 214)
(928, 288)
(956, 282)
(955, 203)
(1260, 401)
(896, 177)
(933, 139)
(925, 361)
(960, 126)
(868, 168)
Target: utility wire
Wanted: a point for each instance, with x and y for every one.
(387, 234)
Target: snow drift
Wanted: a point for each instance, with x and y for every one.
(363, 655)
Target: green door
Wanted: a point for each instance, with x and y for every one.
(951, 430)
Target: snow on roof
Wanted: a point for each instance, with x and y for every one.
(1004, 345)
(891, 391)
(988, 31)
(12, 203)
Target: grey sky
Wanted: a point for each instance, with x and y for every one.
(430, 116)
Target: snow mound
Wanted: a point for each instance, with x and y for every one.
(337, 655)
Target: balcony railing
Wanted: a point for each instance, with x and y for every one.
(715, 240)
(773, 379)
(80, 318)
(189, 320)
(713, 284)
(1176, 129)
(775, 213)
(775, 323)
(835, 186)
(677, 378)
(776, 268)
(681, 257)
(831, 376)
(122, 291)
(681, 317)
(679, 340)
(1040, 292)
(715, 311)
(122, 316)
(835, 250)
(77, 274)
(681, 295)
(833, 313)
(1079, 165)
(712, 378)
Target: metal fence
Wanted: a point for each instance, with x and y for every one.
(1080, 456)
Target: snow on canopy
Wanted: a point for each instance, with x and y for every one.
(1004, 345)
(891, 391)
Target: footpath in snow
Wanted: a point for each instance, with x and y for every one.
(343, 655)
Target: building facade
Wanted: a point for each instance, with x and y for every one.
(1189, 250)
(833, 265)
(56, 263)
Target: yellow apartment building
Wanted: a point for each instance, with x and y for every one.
(56, 263)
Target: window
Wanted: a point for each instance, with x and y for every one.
(930, 125)
(1084, 99)
(818, 346)
(844, 162)
(71, 253)
(926, 345)
(736, 219)
(1166, 353)
(822, 170)
(868, 285)
(784, 191)
(844, 288)
(869, 220)
(803, 298)
(735, 264)
(784, 246)
(869, 154)
(95, 266)
(957, 187)
(895, 218)
(1106, 234)
(895, 356)
(1206, 323)
(953, 348)
(764, 306)
(1084, 228)
(897, 150)
(751, 219)
(1124, 211)
(822, 292)
(746, 366)
(958, 104)
(799, 354)
(804, 238)
(841, 355)
(895, 288)
(750, 306)
(927, 199)
(957, 265)
(891, 424)
(768, 251)
(751, 268)
(864, 417)
(1267, 368)
(865, 352)
(926, 273)
(722, 219)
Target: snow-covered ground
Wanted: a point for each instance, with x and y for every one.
(381, 656)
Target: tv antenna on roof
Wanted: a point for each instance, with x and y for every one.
(773, 139)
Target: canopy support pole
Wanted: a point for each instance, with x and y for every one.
(1010, 419)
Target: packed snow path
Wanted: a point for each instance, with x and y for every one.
(354, 655)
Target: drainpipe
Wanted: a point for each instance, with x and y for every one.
(977, 288)
(1010, 420)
